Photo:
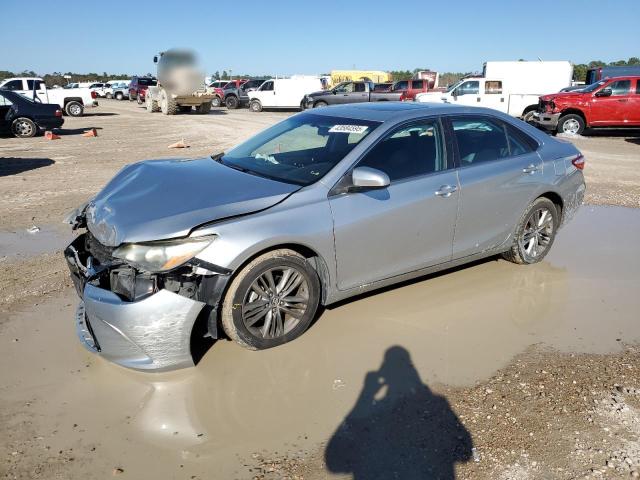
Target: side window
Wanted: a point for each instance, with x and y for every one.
(409, 151)
(30, 84)
(480, 140)
(268, 86)
(401, 85)
(620, 87)
(518, 144)
(417, 84)
(13, 85)
(638, 87)
(469, 88)
(359, 87)
(40, 85)
(493, 86)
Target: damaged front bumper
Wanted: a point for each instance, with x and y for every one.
(140, 320)
(547, 121)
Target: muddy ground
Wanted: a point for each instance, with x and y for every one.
(488, 371)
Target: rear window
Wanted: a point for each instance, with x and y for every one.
(147, 81)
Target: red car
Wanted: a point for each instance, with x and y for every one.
(613, 102)
(138, 87)
(410, 88)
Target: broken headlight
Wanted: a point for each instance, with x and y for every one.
(162, 255)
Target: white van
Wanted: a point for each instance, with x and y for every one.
(283, 92)
(511, 87)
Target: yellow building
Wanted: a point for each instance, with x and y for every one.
(376, 76)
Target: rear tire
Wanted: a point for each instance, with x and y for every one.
(231, 102)
(320, 104)
(535, 233)
(109, 95)
(255, 106)
(204, 108)
(572, 124)
(258, 314)
(167, 104)
(23, 127)
(74, 109)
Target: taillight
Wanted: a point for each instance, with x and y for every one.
(94, 94)
(58, 113)
(578, 162)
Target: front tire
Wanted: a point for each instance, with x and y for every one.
(109, 95)
(271, 301)
(535, 233)
(320, 104)
(231, 102)
(255, 106)
(167, 104)
(23, 127)
(74, 109)
(119, 96)
(572, 124)
(216, 102)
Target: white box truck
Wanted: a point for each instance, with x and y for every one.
(283, 92)
(511, 87)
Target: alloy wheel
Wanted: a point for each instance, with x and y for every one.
(275, 302)
(537, 234)
(23, 128)
(571, 126)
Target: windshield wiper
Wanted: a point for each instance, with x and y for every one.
(218, 157)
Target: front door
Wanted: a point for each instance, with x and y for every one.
(351, 92)
(633, 112)
(467, 93)
(408, 225)
(612, 109)
(499, 173)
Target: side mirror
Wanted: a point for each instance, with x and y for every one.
(367, 178)
(605, 92)
(155, 59)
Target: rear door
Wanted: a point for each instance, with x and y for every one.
(612, 109)
(499, 172)
(5, 114)
(494, 96)
(406, 226)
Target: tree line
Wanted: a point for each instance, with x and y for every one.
(446, 78)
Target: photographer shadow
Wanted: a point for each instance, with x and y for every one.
(398, 428)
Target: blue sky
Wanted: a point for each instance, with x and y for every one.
(285, 37)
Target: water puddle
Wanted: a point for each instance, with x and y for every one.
(29, 242)
(458, 327)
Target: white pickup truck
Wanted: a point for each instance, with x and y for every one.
(72, 101)
(511, 87)
(482, 92)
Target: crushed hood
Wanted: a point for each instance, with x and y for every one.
(161, 199)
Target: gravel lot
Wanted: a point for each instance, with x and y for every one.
(514, 373)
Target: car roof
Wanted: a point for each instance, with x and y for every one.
(383, 111)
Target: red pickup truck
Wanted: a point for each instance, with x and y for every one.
(613, 102)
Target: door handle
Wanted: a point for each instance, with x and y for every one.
(445, 191)
(531, 169)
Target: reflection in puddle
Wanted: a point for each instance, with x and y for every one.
(459, 328)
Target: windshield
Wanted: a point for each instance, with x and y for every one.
(301, 149)
(593, 86)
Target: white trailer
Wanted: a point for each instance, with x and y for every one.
(511, 87)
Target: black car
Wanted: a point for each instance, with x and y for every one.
(235, 96)
(23, 117)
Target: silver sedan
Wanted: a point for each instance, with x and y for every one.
(320, 207)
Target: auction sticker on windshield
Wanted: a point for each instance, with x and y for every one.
(348, 129)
